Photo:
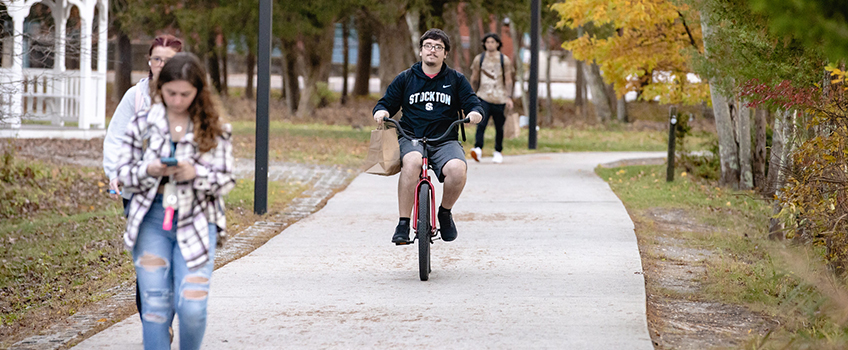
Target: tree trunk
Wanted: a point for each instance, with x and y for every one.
(451, 17)
(549, 101)
(212, 62)
(580, 90)
(364, 29)
(519, 66)
(225, 73)
(123, 71)
(621, 110)
(727, 149)
(743, 135)
(345, 59)
(250, 61)
(780, 149)
(595, 82)
(475, 45)
(759, 167)
(392, 60)
(413, 19)
(291, 86)
(317, 59)
(778, 144)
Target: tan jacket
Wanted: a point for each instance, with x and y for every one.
(490, 82)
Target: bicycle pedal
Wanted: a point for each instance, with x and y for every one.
(403, 243)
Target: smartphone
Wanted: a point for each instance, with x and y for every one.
(169, 161)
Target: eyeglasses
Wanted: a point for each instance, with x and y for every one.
(157, 61)
(436, 48)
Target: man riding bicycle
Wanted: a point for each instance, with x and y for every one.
(431, 94)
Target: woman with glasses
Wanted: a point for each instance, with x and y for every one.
(135, 100)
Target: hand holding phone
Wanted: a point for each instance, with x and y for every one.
(169, 161)
(115, 188)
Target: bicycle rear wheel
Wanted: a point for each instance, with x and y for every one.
(423, 232)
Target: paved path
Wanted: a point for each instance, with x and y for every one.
(546, 258)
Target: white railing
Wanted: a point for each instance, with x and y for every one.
(45, 94)
(50, 95)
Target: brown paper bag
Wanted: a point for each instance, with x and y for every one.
(384, 153)
(511, 128)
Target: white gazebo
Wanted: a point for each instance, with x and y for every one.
(56, 94)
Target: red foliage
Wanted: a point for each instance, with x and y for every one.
(784, 95)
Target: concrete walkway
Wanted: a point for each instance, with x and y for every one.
(546, 258)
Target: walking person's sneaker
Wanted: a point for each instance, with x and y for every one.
(497, 157)
(476, 153)
(401, 236)
(446, 225)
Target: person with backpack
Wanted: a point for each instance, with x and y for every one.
(491, 77)
(431, 95)
(177, 160)
(135, 100)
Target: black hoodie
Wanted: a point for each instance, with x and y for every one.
(429, 105)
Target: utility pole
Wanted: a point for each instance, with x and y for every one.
(533, 88)
(263, 97)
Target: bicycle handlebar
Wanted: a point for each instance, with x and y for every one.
(425, 139)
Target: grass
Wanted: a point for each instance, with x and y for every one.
(240, 201)
(773, 278)
(60, 243)
(347, 146)
(305, 143)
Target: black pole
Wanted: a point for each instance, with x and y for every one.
(533, 88)
(263, 97)
(672, 126)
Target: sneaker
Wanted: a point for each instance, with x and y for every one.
(476, 153)
(497, 157)
(401, 236)
(446, 226)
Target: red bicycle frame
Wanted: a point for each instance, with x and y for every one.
(424, 177)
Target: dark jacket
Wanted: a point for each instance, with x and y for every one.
(429, 105)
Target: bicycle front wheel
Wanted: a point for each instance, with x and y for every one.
(423, 231)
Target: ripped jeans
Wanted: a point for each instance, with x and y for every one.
(161, 270)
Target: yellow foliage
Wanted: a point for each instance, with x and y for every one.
(648, 52)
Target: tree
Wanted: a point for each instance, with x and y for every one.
(640, 45)
(742, 54)
(818, 24)
(727, 143)
(365, 33)
(393, 40)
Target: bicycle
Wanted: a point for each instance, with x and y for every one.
(424, 208)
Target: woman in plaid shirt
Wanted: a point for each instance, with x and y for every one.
(176, 215)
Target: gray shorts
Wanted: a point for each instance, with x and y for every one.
(439, 155)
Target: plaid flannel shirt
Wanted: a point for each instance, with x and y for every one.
(200, 201)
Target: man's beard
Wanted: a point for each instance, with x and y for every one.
(430, 64)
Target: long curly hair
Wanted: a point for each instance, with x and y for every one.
(207, 124)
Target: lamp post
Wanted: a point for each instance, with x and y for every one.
(533, 88)
(263, 97)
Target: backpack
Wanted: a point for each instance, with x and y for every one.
(503, 71)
